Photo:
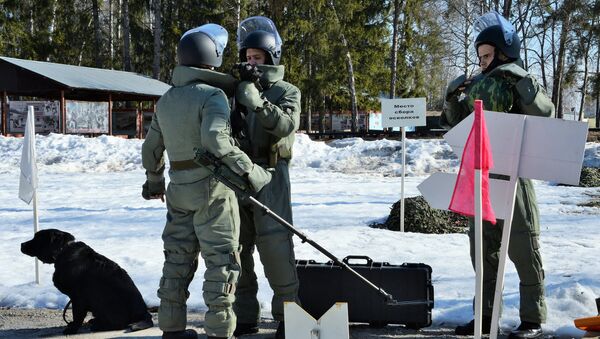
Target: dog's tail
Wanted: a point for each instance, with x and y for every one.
(65, 312)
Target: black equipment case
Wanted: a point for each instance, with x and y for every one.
(323, 284)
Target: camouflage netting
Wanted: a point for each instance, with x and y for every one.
(590, 177)
(419, 217)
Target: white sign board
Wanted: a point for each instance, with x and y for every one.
(87, 116)
(46, 116)
(551, 149)
(403, 112)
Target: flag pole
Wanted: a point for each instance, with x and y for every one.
(28, 177)
(478, 221)
(35, 229)
(31, 126)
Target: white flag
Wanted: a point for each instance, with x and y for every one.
(28, 180)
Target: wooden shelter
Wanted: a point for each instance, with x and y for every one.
(76, 87)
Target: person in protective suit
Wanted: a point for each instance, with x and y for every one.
(202, 213)
(504, 86)
(272, 115)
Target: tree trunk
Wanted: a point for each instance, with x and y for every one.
(97, 37)
(309, 96)
(126, 38)
(351, 82)
(542, 56)
(558, 75)
(110, 36)
(238, 12)
(506, 9)
(322, 116)
(157, 38)
(598, 91)
(394, 52)
(466, 41)
(311, 79)
(586, 54)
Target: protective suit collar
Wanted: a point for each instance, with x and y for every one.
(271, 74)
(185, 75)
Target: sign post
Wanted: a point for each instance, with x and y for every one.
(402, 113)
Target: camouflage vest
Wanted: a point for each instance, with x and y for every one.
(495, 92)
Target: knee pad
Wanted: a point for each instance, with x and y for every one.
(173, 290)
(180, 264)
(231, 264)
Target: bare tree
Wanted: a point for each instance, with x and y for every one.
(97, 34)
(156, 9)
(126, 37)
(111, 46)
(394, 52)
(506, 8)
(560, 63)
(597, 89)
(585, 43)
(351, 81)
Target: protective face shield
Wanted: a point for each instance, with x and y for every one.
(202, 45)
(259, 32)
(492, 28)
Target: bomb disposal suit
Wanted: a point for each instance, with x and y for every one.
(272, 118)
(506, 87)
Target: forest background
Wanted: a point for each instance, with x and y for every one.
(344, 55)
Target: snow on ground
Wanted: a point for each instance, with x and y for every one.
(91, 188)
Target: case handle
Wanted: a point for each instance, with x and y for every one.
(358, 257)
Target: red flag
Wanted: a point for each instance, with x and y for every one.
(477, 154)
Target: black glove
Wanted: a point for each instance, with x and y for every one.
(249, 72)
(153, 189)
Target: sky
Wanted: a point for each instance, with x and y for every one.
(91, 187)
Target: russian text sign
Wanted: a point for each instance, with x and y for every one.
(403, 112)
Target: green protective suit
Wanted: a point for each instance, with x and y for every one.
(269, 142)
(203, 214)
(507, 88)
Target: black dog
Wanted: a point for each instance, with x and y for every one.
(93, 282)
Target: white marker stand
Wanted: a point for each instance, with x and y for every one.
(402, 113)
(301, 325)
(522, 146)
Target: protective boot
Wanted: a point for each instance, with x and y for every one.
(244, 328)
(280, 334)
(527, 330)
(187, 334)
(469, 328)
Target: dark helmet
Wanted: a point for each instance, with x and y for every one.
(202, 46)
(495, 36)
(259, 32)
(261, 40)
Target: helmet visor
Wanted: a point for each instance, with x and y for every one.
(494, 18)
(257, 23)
(215, 32)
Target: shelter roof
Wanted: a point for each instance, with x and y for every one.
(47, 79)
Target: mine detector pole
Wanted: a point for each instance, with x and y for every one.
(225, 175)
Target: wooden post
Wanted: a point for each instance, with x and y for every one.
(139, 121)
(63, 113)
(4, 113)
(110, 115)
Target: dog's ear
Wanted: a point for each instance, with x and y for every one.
(60, 237)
